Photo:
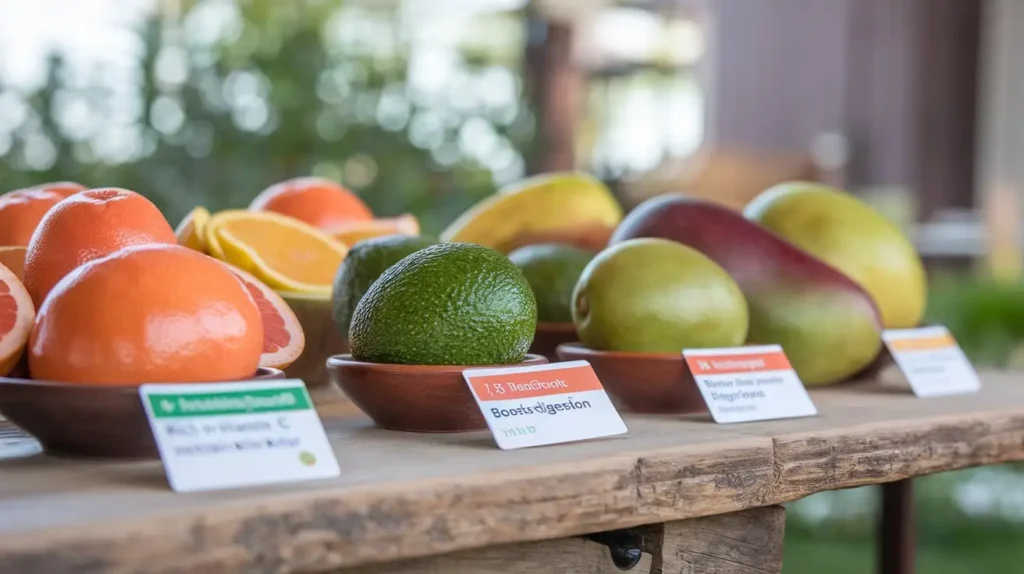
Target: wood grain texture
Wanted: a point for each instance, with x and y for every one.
(561, 556)
(405, 496)
(748, 542)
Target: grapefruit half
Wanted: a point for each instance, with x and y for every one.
(283, 339)
(13, 258)
(16, 316)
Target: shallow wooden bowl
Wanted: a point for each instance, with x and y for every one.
(90, 421)
(549, 336)
(650, 383)
(413, 398)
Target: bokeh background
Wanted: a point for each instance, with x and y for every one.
(426, 106)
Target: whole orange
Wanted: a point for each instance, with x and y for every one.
(20, 213)
(64, 188)
(317, 201)
(147, 313)
(87, 226)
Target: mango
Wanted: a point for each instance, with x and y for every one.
(828, 325)
(573, 208)
(849, 235)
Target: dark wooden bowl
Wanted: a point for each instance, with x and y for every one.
(650, 383)
(90, 421)
(549, 336)
(413, 398)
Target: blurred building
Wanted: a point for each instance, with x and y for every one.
(908, 103)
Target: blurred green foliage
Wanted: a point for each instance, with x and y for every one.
(986, 317)
(235, 96)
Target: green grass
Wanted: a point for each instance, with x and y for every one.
(816, 556)
(950, 541)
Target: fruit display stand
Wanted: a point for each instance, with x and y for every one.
(674, 494)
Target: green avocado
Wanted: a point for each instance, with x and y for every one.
(448, 304)
(552, 270)
(365, 262)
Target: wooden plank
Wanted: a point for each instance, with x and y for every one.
(545, 557)
(405, 496)
(748, 542)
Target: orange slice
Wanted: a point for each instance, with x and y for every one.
(281, 251)
(283, 338)
(13, 258)
(190, 231)
(352, 233)
(16, 316)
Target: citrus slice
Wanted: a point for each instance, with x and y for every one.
(281, 251)
(212, 242)
(16, 316)
(13, 258)
(190, 231)
(352, 233)
(283, 337)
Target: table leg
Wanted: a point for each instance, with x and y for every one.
(896, 543)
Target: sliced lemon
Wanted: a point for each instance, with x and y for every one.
(281, 251)
(190, 231)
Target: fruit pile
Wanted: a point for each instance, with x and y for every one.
(98, 288)
(94, 288)
(465, 299)
(805, 266)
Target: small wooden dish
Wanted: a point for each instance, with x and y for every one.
(549, 336)
(649, 383)
(88, 421)
(413, 398)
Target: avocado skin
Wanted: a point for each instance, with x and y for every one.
(448, 304)
(366, 261)
(552, 270)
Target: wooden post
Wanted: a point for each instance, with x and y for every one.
(556, 86)
(896, 540)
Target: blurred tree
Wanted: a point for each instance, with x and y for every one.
(234, 96)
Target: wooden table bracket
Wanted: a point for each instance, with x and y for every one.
(625, 546)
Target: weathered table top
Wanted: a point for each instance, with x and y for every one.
(405, 495)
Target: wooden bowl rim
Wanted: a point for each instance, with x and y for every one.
(346, 360)
(579, 349)
(262, 374)
(553, 327)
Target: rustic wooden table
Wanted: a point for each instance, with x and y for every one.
(675, 494)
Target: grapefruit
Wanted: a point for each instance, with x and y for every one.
(62, 188)
(20, 213)
(13, 257)
(283, 337)
(16, 316)
(86, 226)
(317, 201)
(147, 314)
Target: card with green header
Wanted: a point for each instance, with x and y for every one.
(230, 435)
